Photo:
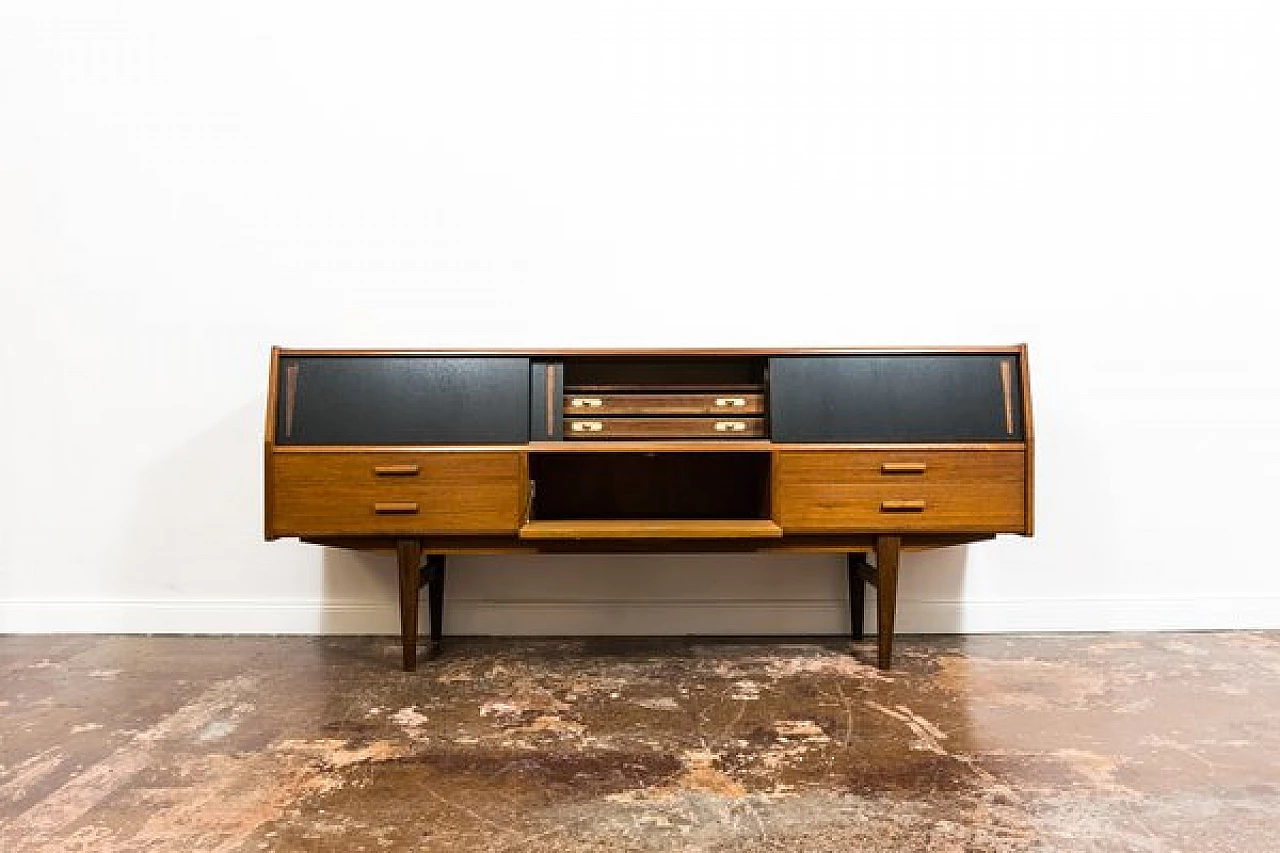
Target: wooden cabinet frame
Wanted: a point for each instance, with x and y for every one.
(867, 500)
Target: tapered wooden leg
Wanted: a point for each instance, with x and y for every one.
(887, 552)
(435, 598)
(409, 557)
(857, 593)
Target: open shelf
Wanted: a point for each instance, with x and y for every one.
(651, 528)
(672, 373)
(670, 494)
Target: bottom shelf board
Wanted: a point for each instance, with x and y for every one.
(658, 528)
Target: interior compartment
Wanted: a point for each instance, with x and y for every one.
(664, 373)
(658, 485)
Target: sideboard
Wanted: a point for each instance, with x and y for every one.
(860, 452)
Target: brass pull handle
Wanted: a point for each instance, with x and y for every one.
(290, 396)
(1006, 388)
(395, 508)
(731, 426)
(551, 399)
(902, 468)
(585, 403)
(731, 402)
(902, 506)
(586, 426)
(396, 470)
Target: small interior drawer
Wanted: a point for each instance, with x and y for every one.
(728, 404)
(674, 427)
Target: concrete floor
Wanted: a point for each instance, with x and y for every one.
(1155, 742)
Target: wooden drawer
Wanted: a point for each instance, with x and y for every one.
(900, 490)
(634, 428)
(727, 405)
(443, 492)
(901, 466)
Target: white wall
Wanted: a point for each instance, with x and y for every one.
(182, 185)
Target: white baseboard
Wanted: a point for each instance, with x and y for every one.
(633, 616)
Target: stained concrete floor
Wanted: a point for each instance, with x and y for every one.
(1155, 742)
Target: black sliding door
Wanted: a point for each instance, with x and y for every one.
(403, 400)
(895, 398)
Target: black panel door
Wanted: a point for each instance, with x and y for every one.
(873, 398)
(403, 400)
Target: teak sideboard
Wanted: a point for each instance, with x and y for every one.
(863, 452)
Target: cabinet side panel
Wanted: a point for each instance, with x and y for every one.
(896, 398)
(268, 442)
(1029, 428)
(273, 395)
(402, 400)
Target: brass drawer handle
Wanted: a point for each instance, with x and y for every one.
(902, 506)
(902, 468)
(586, 426)
(395, 508)
(731, 426)
(731, 402)
(585, 403)
(396, 470)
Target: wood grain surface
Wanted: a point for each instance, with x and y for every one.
(343, 494)
(832, 491)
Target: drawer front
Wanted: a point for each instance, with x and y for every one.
(393, 493)
(727, 405)
(638, 428)
(835, 490)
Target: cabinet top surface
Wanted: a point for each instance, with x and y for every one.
(674, 351)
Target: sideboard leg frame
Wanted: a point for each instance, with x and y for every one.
(433, 578)
(888, 549)
(409, 560)
(860, 574)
